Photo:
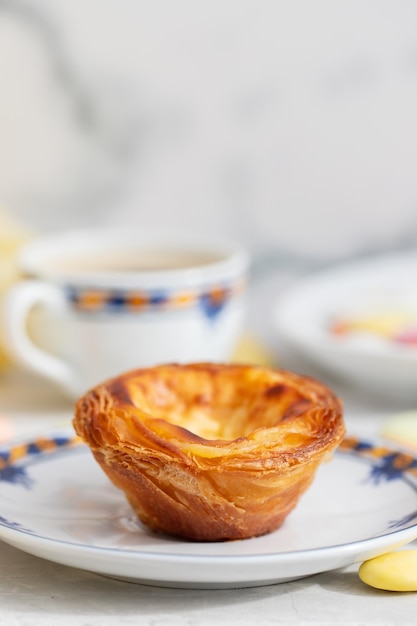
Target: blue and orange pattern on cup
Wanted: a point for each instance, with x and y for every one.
(210, 301)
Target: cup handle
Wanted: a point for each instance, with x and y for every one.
(17, 304)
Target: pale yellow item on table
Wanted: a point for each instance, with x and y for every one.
(394, 571)
(12, 236)
(251, 351)
(402, 428)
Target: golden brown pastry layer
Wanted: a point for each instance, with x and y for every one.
(210, 452)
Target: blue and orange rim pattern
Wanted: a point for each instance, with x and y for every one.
(389, 464)
(11, 468)
(386, 464)
(95, 300)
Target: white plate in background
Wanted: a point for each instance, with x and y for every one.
(303, 317)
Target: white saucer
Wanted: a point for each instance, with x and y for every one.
(56, 503)
(303, 320)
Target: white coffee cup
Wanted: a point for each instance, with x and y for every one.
(97, 303)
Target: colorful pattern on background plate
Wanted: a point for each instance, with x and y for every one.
(211, 301)
(400, 328)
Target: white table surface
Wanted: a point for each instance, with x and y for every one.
(34, 591)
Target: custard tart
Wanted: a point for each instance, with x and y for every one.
(211, 452)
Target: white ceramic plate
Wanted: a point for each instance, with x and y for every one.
(56, 503)
(388, 283)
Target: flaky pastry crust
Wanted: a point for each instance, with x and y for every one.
(211, 452)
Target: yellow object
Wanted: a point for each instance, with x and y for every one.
(394, 571)
(251, 351)
(402, 428)
(12, 236)
(385, 325)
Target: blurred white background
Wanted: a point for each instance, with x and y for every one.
(290, 125)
